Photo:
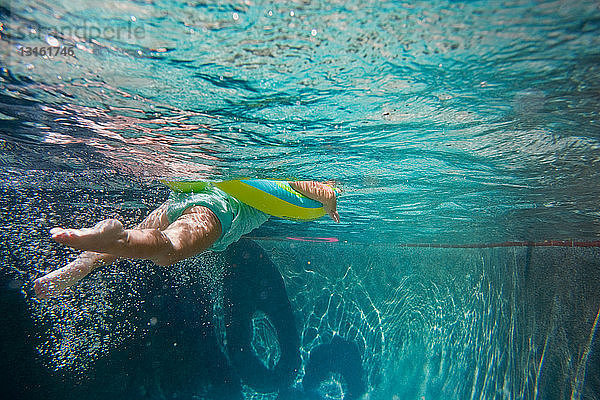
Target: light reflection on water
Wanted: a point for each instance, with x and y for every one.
(468, 112)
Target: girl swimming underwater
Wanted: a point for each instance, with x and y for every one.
(182, 227)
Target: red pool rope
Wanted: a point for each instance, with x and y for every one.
(314, 239)
(546, 243)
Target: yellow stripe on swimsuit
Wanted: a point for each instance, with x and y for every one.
(272, 197)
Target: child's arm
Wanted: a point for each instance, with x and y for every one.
(320, 192)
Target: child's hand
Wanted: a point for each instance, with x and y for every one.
(329, 200)
(320, 192)
(331, 209)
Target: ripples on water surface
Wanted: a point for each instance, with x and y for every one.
(448, 122)
(467, 120)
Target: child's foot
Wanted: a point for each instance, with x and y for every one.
(56, 282)
(103, 237)
(50, 285)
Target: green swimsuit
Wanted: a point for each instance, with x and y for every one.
(236, 218)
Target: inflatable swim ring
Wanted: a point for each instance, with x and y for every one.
(272, 197)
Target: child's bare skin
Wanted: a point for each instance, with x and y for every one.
(321, 193)
(153, 239)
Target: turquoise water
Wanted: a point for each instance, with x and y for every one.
(445, 122)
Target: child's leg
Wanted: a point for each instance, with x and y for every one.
(190, 234)
(156, 219)
(102, 237)
(57, 281)
(194, 231)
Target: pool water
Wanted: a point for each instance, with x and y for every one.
(465, 136)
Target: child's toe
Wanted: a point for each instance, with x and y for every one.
(56, 231)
